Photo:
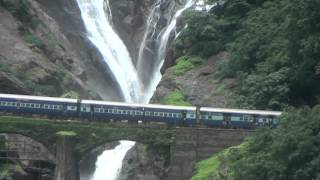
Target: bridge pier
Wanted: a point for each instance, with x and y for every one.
(195, 144)
(67, 166)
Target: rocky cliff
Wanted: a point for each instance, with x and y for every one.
(140, 163)
(44, 51)
(197, 83)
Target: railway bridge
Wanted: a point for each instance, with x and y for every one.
(68, 142)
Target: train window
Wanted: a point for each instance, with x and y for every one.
(32, 105)
(28, 105)
(147, 113)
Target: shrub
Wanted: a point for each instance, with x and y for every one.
(176, 97)
(183, 65)
(32, 39)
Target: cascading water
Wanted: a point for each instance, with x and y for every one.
(97, 18)
(111, 47)
(155, 76)
(109, 163)
(148, 37)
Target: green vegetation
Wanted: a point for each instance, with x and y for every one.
(208, 168)
(71, 94)
(289, 152)
(183, 66)
(33, 40)
(66, 133)
(175, 97)
(186, 63)
(8, 169)
(273, 45)
(274, 58)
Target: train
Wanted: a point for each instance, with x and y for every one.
(106, 111)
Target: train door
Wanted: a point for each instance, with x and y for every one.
(92, 113)
(226, 120)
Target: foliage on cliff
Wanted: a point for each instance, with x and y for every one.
(289, 152)
(274, 47)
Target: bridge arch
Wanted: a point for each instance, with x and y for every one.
(30, 157)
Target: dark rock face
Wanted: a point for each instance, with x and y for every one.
(140, 164)
(130, 18)
(11, 84)
(44, 44)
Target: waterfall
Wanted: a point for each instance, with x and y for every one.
(154, 76)
(116, 56)
(109, 163)
(148, 37)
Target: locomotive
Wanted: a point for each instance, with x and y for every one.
(118, 111)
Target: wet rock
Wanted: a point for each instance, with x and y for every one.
(140, 164)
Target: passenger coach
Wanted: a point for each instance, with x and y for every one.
(117, 111)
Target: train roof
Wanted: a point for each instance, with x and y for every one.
(138, 105)
(40, 98)
(241, 111)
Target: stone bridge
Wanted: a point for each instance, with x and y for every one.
(185, 146)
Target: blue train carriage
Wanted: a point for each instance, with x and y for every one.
(237, 118)
(24, 104)
(170, 114)
(266, 118)
(109, 111)
(212, 117)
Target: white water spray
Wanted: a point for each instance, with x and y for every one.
(111, 47)
(109, 163)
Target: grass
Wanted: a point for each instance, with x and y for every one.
(66, 133)
(183, 66)
(186, 63)
(176, 97)
(8, 169)
(217, 166)
(71, 94)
